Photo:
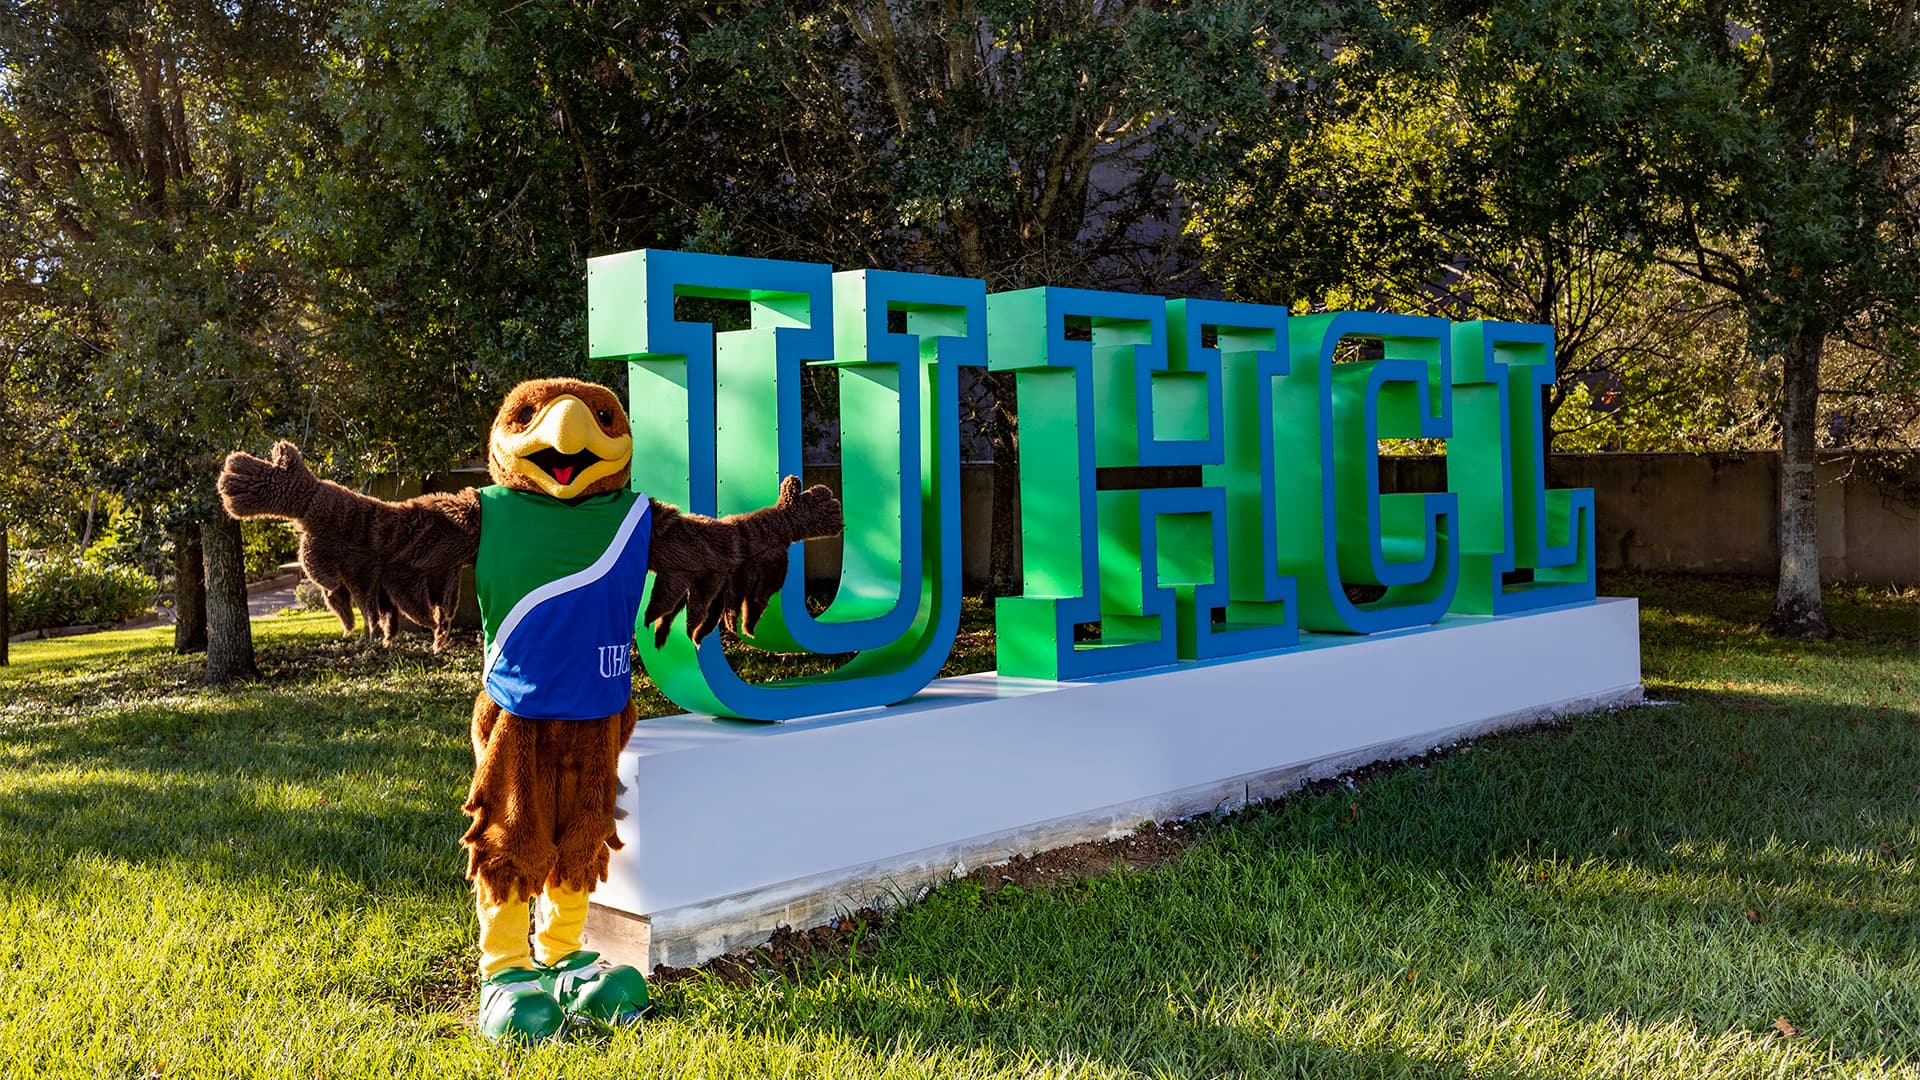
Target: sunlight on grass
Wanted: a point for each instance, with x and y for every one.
(70, 659)
(265, 880)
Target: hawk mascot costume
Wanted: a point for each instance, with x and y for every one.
(561, 549)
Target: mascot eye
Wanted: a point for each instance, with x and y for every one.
(525, 414)
(605, 416)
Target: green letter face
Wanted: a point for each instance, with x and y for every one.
(1496, 464)
(1336, 528)
(1082, 550)
(717, 423)
(1286, 519)
(1246, 361)
(1112, 380)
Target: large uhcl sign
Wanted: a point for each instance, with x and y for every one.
(1288, 513)
(1230, 663)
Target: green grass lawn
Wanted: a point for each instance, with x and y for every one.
(266, 881)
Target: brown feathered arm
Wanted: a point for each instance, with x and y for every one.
(413, 550)
(727, 569)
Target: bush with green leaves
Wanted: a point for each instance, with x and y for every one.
(266, 546)
(60, 590)
(308, 597)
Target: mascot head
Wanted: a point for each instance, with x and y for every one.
(560, 437)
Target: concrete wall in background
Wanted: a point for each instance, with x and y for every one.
(1694, 513)
(1699, 513)
(1716, 513)
(1688, 512)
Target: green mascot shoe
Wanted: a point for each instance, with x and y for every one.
(589, 988)
(516, 1007)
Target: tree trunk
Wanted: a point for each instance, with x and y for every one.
(86, 535)
(1797, 607)
(189, 592)
(229, 632)
(6, 613)
(1550, 402)
(1001, 579)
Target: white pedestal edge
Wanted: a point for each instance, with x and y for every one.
(691, 934)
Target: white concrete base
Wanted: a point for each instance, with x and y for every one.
(733, 828)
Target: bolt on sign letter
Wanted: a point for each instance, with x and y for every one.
(1281, 418)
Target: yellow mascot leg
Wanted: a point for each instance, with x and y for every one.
(503, 935)
(562, 922)
(514, 1005)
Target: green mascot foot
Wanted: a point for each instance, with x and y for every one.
(516, 1007)
(589, 988)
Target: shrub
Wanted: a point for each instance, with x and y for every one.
(60, 590)
(308, 597)
(266, 546)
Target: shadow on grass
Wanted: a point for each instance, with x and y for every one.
(261, 784)
(1704, 869)
(1738, 604)
(1710, 863)
(221, 828)
(1602, 870)
(1031, 1030)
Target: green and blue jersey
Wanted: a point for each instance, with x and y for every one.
(560, 587)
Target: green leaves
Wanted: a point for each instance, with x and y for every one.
(1582, 164)
(1025, 143)
(55, 591)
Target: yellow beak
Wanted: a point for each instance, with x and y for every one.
(564, 451)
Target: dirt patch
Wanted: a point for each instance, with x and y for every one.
(790, 952)
(1151, 845)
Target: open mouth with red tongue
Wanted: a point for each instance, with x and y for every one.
(562, 467)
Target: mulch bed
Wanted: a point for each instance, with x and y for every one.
(1152, 845)
(791, 952)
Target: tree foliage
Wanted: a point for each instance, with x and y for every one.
(1703, 198)
(466, 159)
(133, 140)
(1022, 142)
(356, 222)
(1780, 141)
(1412, 201)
